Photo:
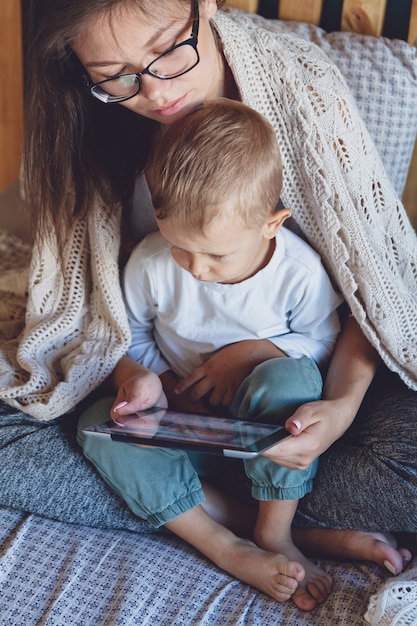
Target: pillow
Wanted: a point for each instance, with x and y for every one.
(382, 75)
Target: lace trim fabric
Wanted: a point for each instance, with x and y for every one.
(76, 327)
(395, 603)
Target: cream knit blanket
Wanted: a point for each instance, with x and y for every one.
(395, 602)
(76, 328)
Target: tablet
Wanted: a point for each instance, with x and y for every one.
(189, 431)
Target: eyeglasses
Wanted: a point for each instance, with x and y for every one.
(173, 63)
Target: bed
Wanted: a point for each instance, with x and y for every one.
(95, 564)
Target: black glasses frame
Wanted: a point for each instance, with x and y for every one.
(191, 41)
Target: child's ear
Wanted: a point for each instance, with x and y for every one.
(274, 222)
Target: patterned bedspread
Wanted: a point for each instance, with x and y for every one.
(57, 574)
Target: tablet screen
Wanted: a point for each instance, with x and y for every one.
(162, 427)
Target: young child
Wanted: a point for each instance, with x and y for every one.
(222, 273)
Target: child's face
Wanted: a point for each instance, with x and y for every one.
(225, 253)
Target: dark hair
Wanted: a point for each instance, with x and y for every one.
(77, 150)
(222, 156)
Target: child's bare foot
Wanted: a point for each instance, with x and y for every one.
(316, 584)
(381, 548)
(272, 573)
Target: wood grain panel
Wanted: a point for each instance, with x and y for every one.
(363, 16)
(306, 11)
(11, 92)
(412, 29)
(245, 5)
(410, 191)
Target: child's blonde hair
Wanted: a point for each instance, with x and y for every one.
(222, 154)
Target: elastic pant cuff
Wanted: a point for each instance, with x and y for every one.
(160, 518)
(269, 492)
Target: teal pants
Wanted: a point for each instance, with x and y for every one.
(158, 484)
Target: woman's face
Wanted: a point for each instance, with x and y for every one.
(127, 41)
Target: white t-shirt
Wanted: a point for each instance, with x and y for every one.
(178, 322)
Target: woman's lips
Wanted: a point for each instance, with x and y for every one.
(171, 108)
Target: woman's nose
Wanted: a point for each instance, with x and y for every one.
(152, 87)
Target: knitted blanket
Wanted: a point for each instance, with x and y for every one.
(75, 328)
(334, 181)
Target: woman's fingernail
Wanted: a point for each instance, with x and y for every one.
(119, 406)
(390, 567)
(297, 424)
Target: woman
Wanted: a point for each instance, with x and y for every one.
(90, 134)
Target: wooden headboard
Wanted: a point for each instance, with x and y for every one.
(11, 92)
(394, 19)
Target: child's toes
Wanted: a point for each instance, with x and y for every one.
(303, 599)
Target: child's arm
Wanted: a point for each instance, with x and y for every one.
(137, 388)
(221, 375)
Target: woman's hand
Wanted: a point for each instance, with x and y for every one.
(220, 376)
(316, 425)
(138, 388)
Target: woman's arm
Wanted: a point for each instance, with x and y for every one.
(316, 425)
(352, 369)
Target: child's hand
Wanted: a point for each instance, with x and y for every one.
(141, 391)
(218, 377)
(221, 375)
